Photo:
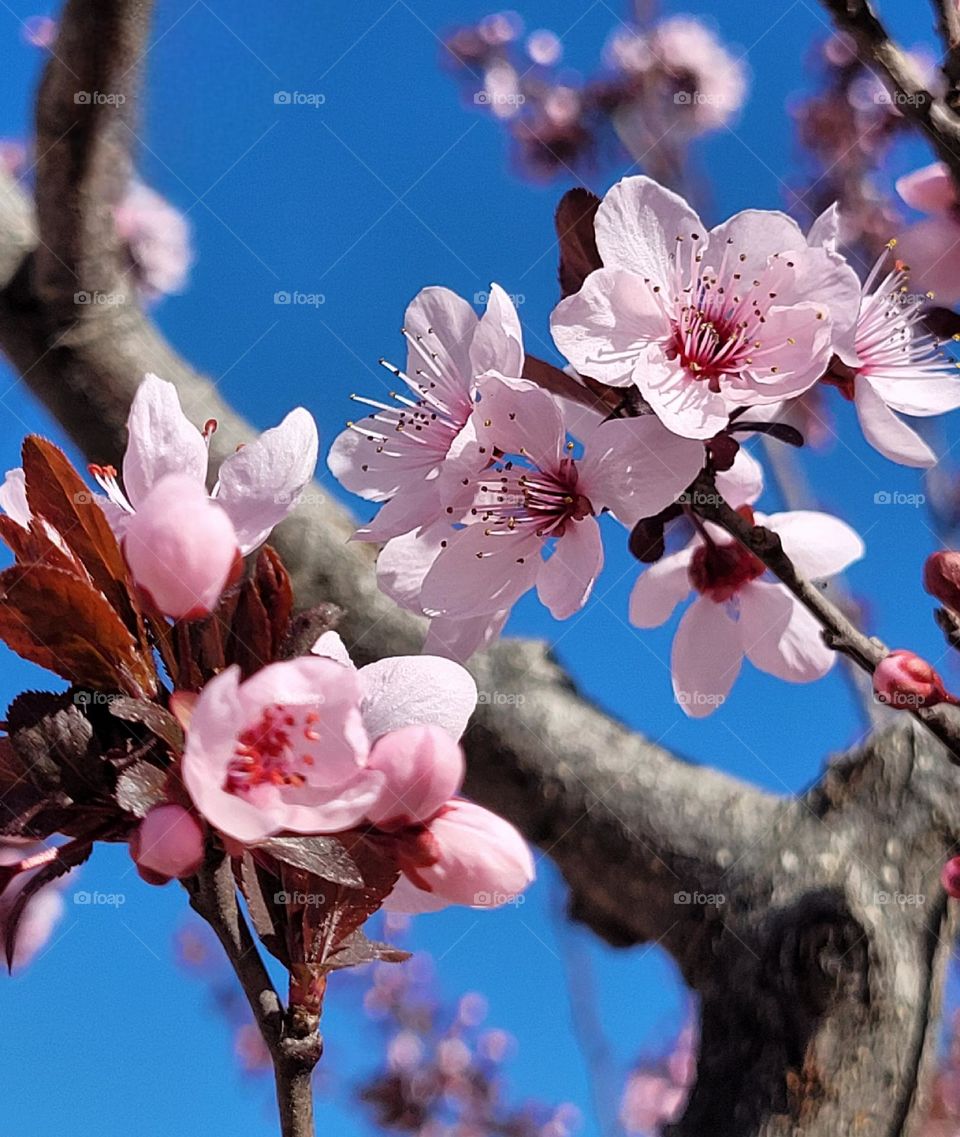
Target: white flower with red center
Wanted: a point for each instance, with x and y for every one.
(536, 497)
(406, 455)
(899, 367)
(257, 486)
(704, 322)
(737, 613)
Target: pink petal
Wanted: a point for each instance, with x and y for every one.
(344, 809)
(519, 417)
(818, 544)
(929, 189)
(612, 313)
(263, 481)
(706, 658)
(423, 767)
(635, 467)
(921, 397)
(886, 433)
(13, 497)
(756, 233)
(660, 588)
(422, 689)
(825, 230)
(637, 226)
(460, 639)
(412, 901)
(478, 574)
(441, 324)
(162, 440)
(412, 507)
(498, 341)
(404, 561)
(929, 247)
(566, 578)
(332, 647)
(685, 407)
(742, 484)
(780, 636)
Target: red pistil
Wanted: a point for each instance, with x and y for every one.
(720, 571)
(266, 753)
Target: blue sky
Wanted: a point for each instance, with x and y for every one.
(391, 185)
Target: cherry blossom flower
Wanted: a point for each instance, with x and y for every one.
(415, 709)
(543, 496)
(168, 844)
(181, 547)
(13, 497)
(157, 238)
(467, 855)
(896, 365)
(43, 910)
(929, 246)
(704, 322)
(283, 750)
(408, 455)
(737, 612)
(258, 485)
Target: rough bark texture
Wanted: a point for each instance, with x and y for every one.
(819, 997)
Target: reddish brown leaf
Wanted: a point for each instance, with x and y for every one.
(152, 716)
(65, 625)
(276, 592)
(34, 546)
(140, 787)
(324, 857)
(250, 645)
(578, 242)
(558, 382)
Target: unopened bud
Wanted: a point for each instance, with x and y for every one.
(904, 680)
(941, 578)
(950, 877)
(168, 844)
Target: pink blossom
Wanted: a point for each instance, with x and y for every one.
(896, 366)
(13, 497)
(258, 485)
(902, 679)
(43, 910)
(408, 455)
(181, 547)
(736, 612)
(168, 844)
(157, 237)
(538, 495)
(714, 81)
(470, 856)
(929, 246)
(704, 322)
(284, 750)
(414, 708)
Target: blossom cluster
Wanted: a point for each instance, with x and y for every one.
(678, 337)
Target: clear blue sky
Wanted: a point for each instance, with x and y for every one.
(389, 186)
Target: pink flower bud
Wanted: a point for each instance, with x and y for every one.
(904, 680)
(950, 877)
(168, 844)
(941, 578)
(423, 767)
(475, 858)
(181, 547)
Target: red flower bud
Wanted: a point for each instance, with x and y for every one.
(941, 578)
(904, 680)
(950, 877)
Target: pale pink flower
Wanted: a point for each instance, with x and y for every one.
(408, 455)
(473, 857)
(415, 709)
(258, 485)
(13, 497)
(181, 547)
(649, 1102)
(736, 612)
(43, 910)
(285, 749)
(168, 844)
(704, 322)
(930, 246)
(713, 81)
(157, 237)
(896, 366)
(536, 494)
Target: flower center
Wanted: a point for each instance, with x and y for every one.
(707, 344)
(546, 500)
(720, 571)
(273, 750)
